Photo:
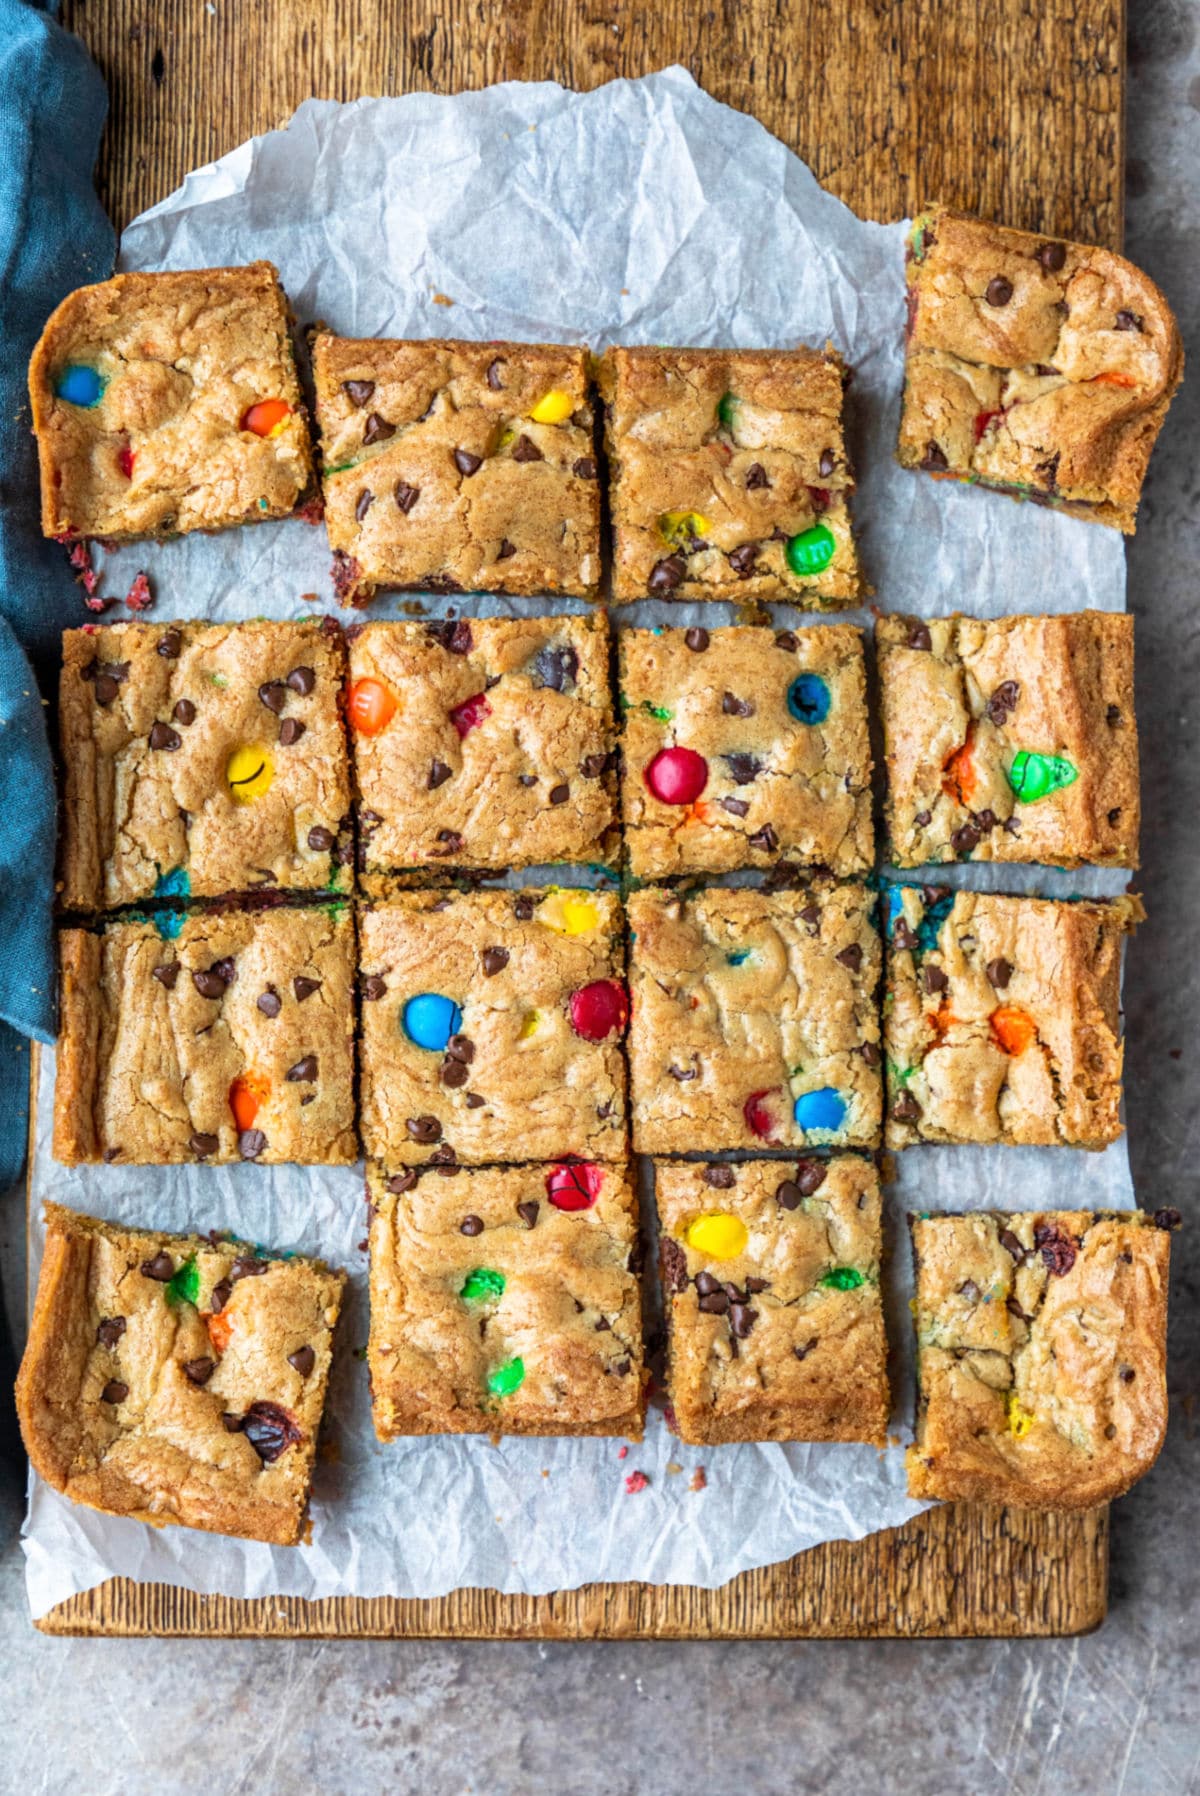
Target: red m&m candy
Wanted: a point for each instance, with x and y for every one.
(574, 1187)
(599, 1009)
(759, 1112)
(470, 713)
(677, 775)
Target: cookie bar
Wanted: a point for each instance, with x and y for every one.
(456, 467)
(1038, 367)
(177, 1378)
(484, 743)
(729, 475)
(774, 1316)
(491, 1027)
(745, 746)
(202, 760)
(1041, 1344)
(220, 1037)
(505, 1302)
(164, 403)
(754, 1019)
(1010, 739)
(1002, 1018)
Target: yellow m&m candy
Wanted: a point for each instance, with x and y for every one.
(250, 772)
(553, 408)
(570, 913)
(1020, 1419)
(718, 1236)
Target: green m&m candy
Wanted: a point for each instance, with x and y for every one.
(504, 1379)
(842, 1278)
(1033, 776)
(483, 1285)
(811, 551)
(727, 410)
(184, 1284)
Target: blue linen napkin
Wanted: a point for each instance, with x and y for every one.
(53, 237)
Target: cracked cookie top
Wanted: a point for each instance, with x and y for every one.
(743, 747)
(1042, 1346)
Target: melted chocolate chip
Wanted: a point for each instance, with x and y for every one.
(1113, 717)
(302, 1361)
(506, 549)
(290, 732)
(363, 504)
(114, 1391)
(248, 1265)
(110, 1330)
(304, 1071)
(169, 645)
(742, 1319)
(965, 839)
(1051, 256)
(439, 773)
(400, 1182)
(320, 839)
(454, 636)
(851, 957)
(713, 1303)
(720, 1177)
(1129, 321)
(377, 429)
(934, 460)
(585, 468)
(697, 640)
(425, 1129)
(743, 769)
(270, 1431)
(474, 1101)
(592, 766)
(736, 707)
(1167, 1219)
(167, 974)
(667, 574)
(906, 1107)
(493, 374)
(304, 988)
(251, 1143)
(453, 1073)
(184, 712)
(786, 640)
(810, 1175)
(737, 807)
(556, 667)
(756, 477)
(203, 1145)
(273, 694)
(162, 736)
(1003, 701)
(523, 908)
(674, 1264)
(765, 839)
(1057, 1249)
(524, 449)
(803, 1352)
(199, 1371)
(742, 559)
(405, 495)
(449, 842)
(918, 636)
(788, 1194)
(210, 983)
(999, 972)
(358, 391)
(161, 1268)
(559, 794)
(935, 980)
(827, 463)
(302, 680)
(1012, 1244)
(269, 1002)
(999, 290)
(494, 960)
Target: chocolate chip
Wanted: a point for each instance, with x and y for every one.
(697, 640)
(199, 1371)
(528, 1212)
(425, 1129)
(527, 779)
(934, 460)
(210, 983)
(167, 974)
(273, 695)
(184, 712)
(1113, 717)
(494, 960)
(922, 818)
(304, 1071)
(233, 1424)
(965, 839)
(683, 1073)
(161, 1268)
(466, 463)
(251, 1143)
(1127, 1374)
(1167, 1219)
(474, 1101)
(999, 972)
(453, 1073)
(984, 820)
(358, 391)
(827, 463)
(1051, 256)
(1129, 321)
(906, 1108)
(1003, 701)
(471, 1225)
(592, 766)
(559, 794)
(765, 839)
(788, 1194)
(737, 807)
(918, 636)
(377, 429)
(1013, 1307)
(110, 1331)
(106, 689)
(667, 574)
(321, 839)
(810, 1175)
(1057, 1249)
(585, 468)
(524, 449)
(461, 1047)
(970, 1290)
(756, 477)
(999, 291)
(736, 707)
(290, 732)
(786, 640)
(743, 769)
(1114, 816)
(270, 1431)
(720, 1177)
(269, 1002)
(742, 1319)
(169, 645)
(556, 667)
(439, 773)
(164, 737)
(302, 680)
(935, 980)
(871, 1054)
(302, 1361)
(850, 957)
(400, 1182)
(363, 504)
(713, 1303)
(743, 558)
(405, 495)
(114, 1391)
(506, 549)
(674, 1264)
(449, 842)
(493, 374)
(1012, 1244)
(203, 1145)
(304, 988)
(248, 1265)
(803, 1352)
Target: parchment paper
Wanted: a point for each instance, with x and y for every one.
(643, 212)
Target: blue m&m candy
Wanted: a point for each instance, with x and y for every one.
(430, 1020)
(822, 1109)
(808, 698)
(79, 385)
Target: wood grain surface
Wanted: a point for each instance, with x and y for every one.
(1013, 108)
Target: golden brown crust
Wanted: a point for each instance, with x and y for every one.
(741, 450)
(183, 356)
(798, 1351)
(1042, 1347)
(1038, 366)
(744, 1003)
(127, 1378)
(527, 783)
(779, 785)
(557, 1318)
(1002, 1019)
(134, 812)
(962, 698)
(403, 422)
(151, 1066)
(512, 962)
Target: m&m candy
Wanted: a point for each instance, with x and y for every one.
(681, 528)
(250, 772)
(554, 407)
(599, 1010)
(811, 551)
(570, 913)
(1020, 1419)
(677, 775)
(1012, 1029)
(808, 698)
(574, 1187)
(430, 1020)
(824, 1108)
(759, 1112)
(727, 407)
(1034, 776)
(370, 707)
(266, 418)
(79, 385)
(247, 1094)
(184, 1284)
(470, 714)
(842, 1278)
(504, 1379)
(718, 1236)
(483, 1285)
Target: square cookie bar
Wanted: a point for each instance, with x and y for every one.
(505, 1302)
(177, 1378)
(1010, 739)
(1038, 367)
(744, 747)
(1002, 1018)
(458, 467)
(202, 760)
(730, 476)
(220, 1037)
(774, 1317)
(754, 1019)
(491, 1027)
(164, 403)
(1041, 1344)
(484, 743)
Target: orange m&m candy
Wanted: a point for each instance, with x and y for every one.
(220, 1327)
(246, 1095)
(962, 776)
(370, 707)
(1012, 1029)
(265, 417)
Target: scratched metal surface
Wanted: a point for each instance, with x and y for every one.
(1117, 1714)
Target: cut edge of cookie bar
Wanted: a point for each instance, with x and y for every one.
(50, 1401)
(815, 568)
(846, 1396)
(260, 280)
(538, 1193)
(1087, 1094)
(987, 1372)
(1081, 678)
(1109, 455)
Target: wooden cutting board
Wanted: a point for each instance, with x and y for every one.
(1005, 107)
